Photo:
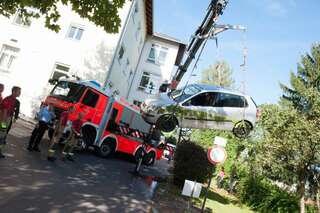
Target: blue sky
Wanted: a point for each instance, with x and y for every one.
(278, 32)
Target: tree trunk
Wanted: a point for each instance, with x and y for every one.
(301, 191)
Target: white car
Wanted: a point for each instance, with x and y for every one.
(202, 107)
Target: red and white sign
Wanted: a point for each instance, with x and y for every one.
(217, 154)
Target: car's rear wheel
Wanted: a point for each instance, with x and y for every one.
(242, 129)
(167, 123)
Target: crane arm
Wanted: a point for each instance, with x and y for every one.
(215, 9)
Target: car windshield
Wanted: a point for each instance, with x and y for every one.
(182, 94)
(68, 91)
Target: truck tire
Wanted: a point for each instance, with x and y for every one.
(149, 159)
(107, 149)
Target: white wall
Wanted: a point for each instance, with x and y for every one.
(40, 48)
(165, 70)
(120, 75)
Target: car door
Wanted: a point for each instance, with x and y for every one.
(198, 110)
(230, 109)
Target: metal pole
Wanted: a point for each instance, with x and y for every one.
(208, 188)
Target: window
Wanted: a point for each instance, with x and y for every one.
(75, 32)
(18, 20)
(138, 31)
(130, 76)
(149, 83)
(157, 54)
(68, 91)
(8, 56)
(90, 98)
(230, 100)
(59, 70)
(204, 99)
(121, 53)
(136, 10)
(137, 103)
(140, 44)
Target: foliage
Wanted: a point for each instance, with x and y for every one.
(190, 163)
(262, 196)
(219, 74)
(291, 130)
(100, 12)
(304, 93)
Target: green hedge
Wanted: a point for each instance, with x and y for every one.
(190, 162)
(264, 197)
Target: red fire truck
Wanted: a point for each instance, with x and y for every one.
(110, 124)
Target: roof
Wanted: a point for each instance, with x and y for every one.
(149, 16)
(217, 88)
(181, 49)
(149, 26)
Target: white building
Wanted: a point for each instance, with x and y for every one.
(31, 55)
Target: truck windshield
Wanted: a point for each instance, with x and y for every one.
(68, 91)
(182, 94)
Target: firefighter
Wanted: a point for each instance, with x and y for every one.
(75, 135)
(58, 132)
(7, 108)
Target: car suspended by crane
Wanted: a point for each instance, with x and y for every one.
(201, 106)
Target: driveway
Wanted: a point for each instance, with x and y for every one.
(29, 183)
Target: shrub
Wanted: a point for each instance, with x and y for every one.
(190, 163)
(262, 196)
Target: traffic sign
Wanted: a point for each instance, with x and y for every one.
(216, 155)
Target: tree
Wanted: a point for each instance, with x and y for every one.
(219, 74)
(101, 12)
(304, 93)
(290, 148)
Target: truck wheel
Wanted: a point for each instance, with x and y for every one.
(149, 159)
(107, 149)
(242, 129)
(167, 123)
(138, 154)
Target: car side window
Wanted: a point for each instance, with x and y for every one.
(204, 99)
(230, 100)
(90, 98)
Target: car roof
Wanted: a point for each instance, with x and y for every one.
(213, 88)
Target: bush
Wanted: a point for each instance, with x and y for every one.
(262, 196)
(190, 163)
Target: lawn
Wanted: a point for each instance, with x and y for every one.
(168, 199)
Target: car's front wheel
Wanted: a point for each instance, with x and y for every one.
(167, 123)
(242, 129)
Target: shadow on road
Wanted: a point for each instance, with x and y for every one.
(29, 183)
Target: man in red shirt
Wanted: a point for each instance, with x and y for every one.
(7, 108)
(75, 134)
(58, 131)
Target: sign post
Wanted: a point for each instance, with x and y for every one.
(216, 155)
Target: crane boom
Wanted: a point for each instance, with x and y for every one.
(215, 9)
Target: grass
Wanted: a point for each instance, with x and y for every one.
(168, 199)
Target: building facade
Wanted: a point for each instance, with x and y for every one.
(34, 58)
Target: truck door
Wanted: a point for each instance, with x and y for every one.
(88, 104)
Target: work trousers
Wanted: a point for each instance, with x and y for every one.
(58, 132)
(37, 135)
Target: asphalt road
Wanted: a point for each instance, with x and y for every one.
(29, 183)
